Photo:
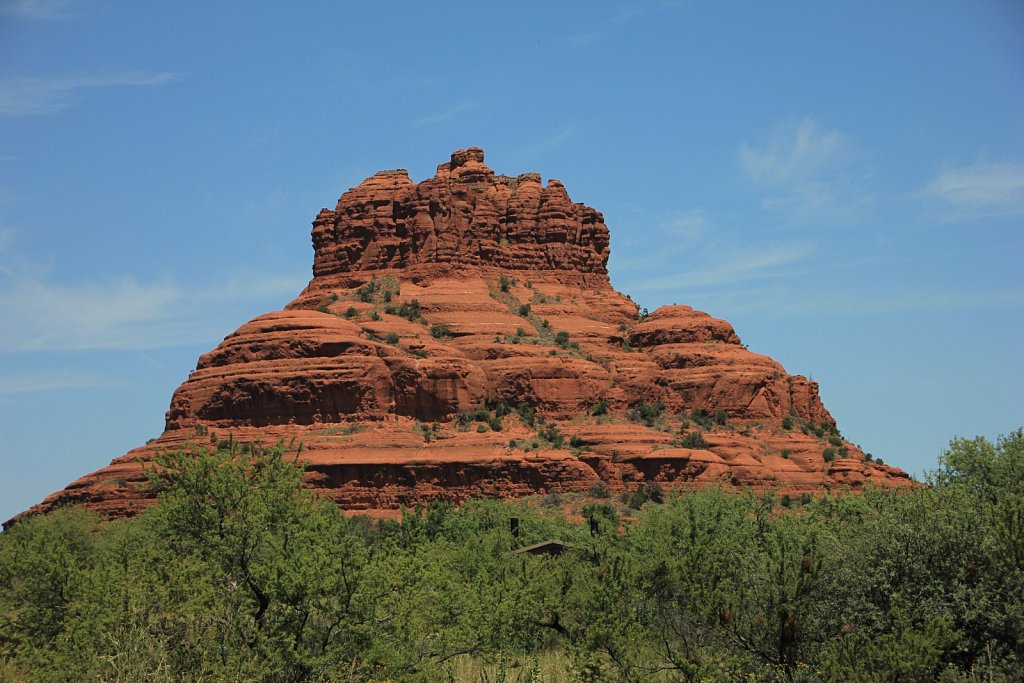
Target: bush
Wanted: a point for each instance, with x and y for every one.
(500, 409)
(647, 491)
(351, 312)
(524, 310)
(466, 417)
(562, 339)
(599, 408)
(787, 422)
(428, 432)
(551, 500)
(599, 490)
(646, 413)
(392, 338)
(367, 291)
(552, 434)
(701, 417)
(720, 417)
(410, 310)
(505, 283)
(601, 515)
(695, 440)
(829, 454)
(440, 332)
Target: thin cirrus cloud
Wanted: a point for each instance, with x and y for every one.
(448, 114)
(677, 233)
(37, 9)
(981, 186)
(7, 235)
(125, 314)
(47, 380)
(603, 29)
(688, 227)
(772, 262)
(558, 137)
(807, 174)
(581, 39)
(39, 96)
(782, 299)
(796, 154)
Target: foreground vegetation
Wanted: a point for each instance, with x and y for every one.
(241, 574)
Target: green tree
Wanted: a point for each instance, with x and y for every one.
(905, 652)
(989, 470)
(275, 570)
(43, 564)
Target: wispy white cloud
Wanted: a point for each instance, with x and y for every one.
(7, 235)
(782, 300)
(734, 268)
(647, 250)
(981, 186)
(447, 114)
(563, 134)
(602, 29)
(403, 82)
(34, 96)
(38, 314)
(687, 227)
(581, 39)
(244, 286)
(795, 154)
(808, 173)
(47, 380)
(37, 9)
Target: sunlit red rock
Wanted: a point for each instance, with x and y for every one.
(433, 299)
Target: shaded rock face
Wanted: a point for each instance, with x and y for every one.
(460, 338)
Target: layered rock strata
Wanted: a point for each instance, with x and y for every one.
(460, 337)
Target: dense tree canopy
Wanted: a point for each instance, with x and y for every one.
(241, 574)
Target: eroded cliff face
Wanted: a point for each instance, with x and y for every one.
(465, 217)
(460, 338)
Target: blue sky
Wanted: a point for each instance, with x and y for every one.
(842, 181)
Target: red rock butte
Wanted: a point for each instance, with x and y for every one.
(460, 338)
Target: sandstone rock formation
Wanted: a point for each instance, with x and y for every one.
(460, 337)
